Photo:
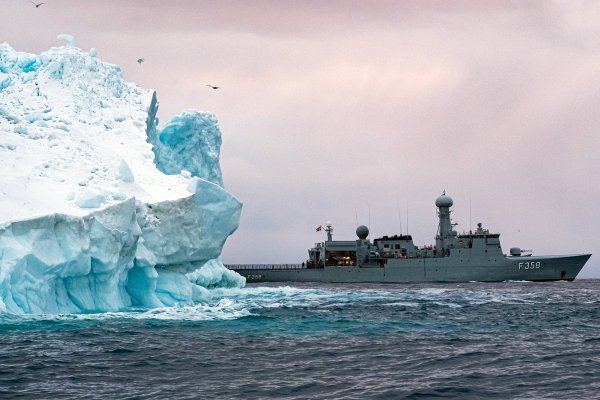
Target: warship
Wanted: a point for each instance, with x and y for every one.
(473, 256)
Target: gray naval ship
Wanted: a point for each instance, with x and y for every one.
(473, 256)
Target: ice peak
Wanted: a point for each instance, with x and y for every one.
(67, 120)
(70, 39)
(74, 130)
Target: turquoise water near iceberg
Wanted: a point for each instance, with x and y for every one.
(471, 340)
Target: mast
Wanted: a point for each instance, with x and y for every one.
(445, 234)
(329, 230)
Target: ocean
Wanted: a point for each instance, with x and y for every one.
(510, 340)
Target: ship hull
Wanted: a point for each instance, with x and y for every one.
(445, 269)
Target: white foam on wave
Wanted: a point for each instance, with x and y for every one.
(434, 291)
(224, 309)
(256, 298)
(400, 304)
(235, 303)
(451, 305)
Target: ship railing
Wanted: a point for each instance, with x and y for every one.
(265, 266)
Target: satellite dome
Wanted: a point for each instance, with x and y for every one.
(444, 201)
(362, 232)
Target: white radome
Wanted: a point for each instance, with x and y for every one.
(444, 201)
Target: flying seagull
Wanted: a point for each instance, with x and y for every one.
(140, 60)
(213, 87)
(37, 5)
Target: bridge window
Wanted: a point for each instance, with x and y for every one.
(341, 258)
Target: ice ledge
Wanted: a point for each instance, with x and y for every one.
(128, 254)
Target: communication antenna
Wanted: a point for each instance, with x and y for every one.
(470, 224)
(407, 216)
(399, 219)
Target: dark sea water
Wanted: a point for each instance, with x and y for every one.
(513, 340)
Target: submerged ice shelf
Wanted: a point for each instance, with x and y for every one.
(100, 209)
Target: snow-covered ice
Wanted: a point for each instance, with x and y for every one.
(100, 209)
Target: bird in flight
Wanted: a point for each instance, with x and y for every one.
(37, 5)
(213, 87)
(140, 60)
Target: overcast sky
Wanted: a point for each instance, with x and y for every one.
(356, 111)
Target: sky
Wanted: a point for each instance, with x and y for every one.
(361, 112)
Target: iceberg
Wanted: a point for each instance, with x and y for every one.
(100, 209)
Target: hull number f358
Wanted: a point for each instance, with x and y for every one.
(529, 265)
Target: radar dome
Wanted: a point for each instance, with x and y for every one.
(444, 201)
(362, 232)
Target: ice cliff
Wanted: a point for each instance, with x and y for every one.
(100, 210)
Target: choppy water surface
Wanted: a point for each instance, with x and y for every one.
(472, 340)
